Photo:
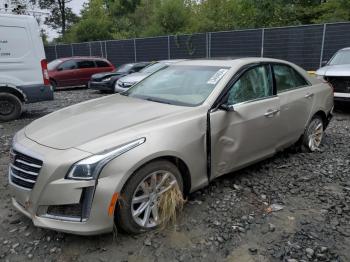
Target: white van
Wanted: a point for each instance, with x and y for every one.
(23, 68)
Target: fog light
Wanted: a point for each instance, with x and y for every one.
(77, 212)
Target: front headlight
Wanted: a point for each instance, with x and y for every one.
(89, 168)
(107, 79)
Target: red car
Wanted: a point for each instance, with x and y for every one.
(76, 71)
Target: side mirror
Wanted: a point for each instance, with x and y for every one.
(227, 107)
(324, 63)
(59, 69)
(132, 71)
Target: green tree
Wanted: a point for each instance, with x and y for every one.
(94, 24)
(61, 17)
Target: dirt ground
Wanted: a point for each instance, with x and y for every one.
(230, 220)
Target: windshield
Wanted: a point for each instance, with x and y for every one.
(341, 58)
(153, 68)
(124, 68)
(179, 85)
(52, 65)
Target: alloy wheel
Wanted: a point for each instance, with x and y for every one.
(145, 201)
(315, 134)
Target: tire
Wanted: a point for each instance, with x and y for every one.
(10, 107)
(53, 84)
(313, 135)
(124, 218)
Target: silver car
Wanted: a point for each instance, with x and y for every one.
(109, 160)
(126, 82)
(337, 72)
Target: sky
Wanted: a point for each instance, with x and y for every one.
(76, 5)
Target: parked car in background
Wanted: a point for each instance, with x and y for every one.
(126, 82)
(23, 67)
(106, 81)
(76, 71)
(337, 72)
(110, 160)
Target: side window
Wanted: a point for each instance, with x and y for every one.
(68, 65)
(137, 68)
(85, 64)
(287, 78)
(253, 84)
(101, 63)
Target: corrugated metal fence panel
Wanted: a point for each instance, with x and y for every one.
(120, 51)
(97, 48)
(50, 53)
(188, 46)
(64, 51)
(236, 43)
(337, 37)
(81, 49)
(151, 49)
(300, 45)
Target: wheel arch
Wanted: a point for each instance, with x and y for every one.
(177, 161)
(323, 116)
(14, 91)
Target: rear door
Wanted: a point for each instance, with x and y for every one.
(66, 73)
(296, 97)
(250, 132)
(86, 68)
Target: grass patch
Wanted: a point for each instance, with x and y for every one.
(171, 204)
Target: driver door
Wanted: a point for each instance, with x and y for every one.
(250, 132)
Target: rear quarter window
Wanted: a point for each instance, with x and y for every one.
(287, 78)
(14, 42)
(101, 63)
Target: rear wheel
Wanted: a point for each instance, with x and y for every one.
(10, 107)
(313, 135)
(138, 207)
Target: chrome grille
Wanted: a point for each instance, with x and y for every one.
(24, 169)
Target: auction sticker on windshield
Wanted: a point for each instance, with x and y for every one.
(217, 76)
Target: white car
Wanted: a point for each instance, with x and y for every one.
(23, 68)
(337, 72)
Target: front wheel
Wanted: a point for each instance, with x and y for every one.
(10, 107)
(138, 208)
(313, 134)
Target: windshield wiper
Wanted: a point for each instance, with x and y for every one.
(157, 100)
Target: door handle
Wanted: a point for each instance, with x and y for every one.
(271, 113)
(309, 95)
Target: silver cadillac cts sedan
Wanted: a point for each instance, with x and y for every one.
(107, 161)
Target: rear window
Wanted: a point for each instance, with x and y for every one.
(14, 42)
(101, 63)
(53, 64)
(85, 64)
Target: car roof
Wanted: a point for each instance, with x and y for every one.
(229, 62)
(82, 57)
(345, 48)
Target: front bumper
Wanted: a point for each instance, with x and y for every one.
(341, 97)
(101, 86)
(51, 189)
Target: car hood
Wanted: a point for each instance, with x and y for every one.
(334, 70)
(82, 123)
(100, 76)
(134, 78)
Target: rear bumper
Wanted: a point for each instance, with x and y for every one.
(37, 93)
(101, 86)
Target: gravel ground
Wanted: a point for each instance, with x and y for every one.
(292, 207)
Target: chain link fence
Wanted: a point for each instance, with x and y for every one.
(306, 45)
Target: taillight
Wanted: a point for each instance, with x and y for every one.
(45, 72)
